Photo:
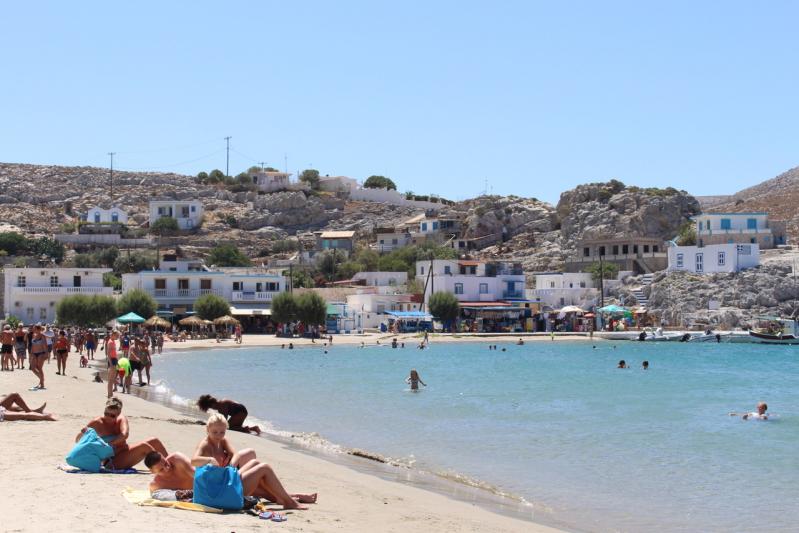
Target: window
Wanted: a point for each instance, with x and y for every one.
(459, 288)
(447, 269)
(766, 239)
(625, 249)
(424, 226)
(259, 287)
(679, 260)
(601, 250)
(551, 284)
(435, 225)
(722, 258)
(96, 217)
(484, 288)
(700, 263)
(205, 284)
(646, 248)
(183, 284)
(29, 311)
(54, 281)
(194, 209)
(20, 281)
(237, 286)
(725, 223)
(655, 248)
(394, 241)
(381, 241)
(160, 284)
(615, 249)
(586, 252)
(635, 248)
(752, 240)
(114, 217)
(43, 313)
(421, 268)
(582, 285)
(751, 223)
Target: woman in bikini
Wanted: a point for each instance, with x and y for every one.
(111, 357)
(233, 411)
(38, 350)
(113, 428)
(21, 345)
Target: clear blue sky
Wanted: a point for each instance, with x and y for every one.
(535, 97)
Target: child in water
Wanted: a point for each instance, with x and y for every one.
(761, 413)
(414, 380)
(622, 364)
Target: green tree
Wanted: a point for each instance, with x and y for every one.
(137, 262)
(216, 176)
(13, 243)
(327, 263)
(211, 306)
(164, 226)
(608, 270)
(137, 301)
(85, 261)
(686, 235)
(368, 258)
(284, 308)
(101, 309)
(202, 177)
(311, 308)
(379, 182)
(300, 279)
(227, 255)
(73, 310)
(255, 169)
(311, 177)
(444, 306)
(49, 248)
(348, 269)
(113, 281)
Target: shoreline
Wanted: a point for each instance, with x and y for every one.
(459, 487)
(349, 498)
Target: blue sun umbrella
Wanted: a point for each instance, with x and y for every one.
(130, 318)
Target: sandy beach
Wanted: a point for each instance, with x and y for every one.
(39, 497)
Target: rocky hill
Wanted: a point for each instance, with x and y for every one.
(779, 197)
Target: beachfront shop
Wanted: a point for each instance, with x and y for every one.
(408, 321)
(497, 317)
(253, 319)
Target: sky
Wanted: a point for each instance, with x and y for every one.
(454, 98)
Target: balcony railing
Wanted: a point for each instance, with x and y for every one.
(616, 257)
(63, 290)
(183, 293)
(513, 294)
(252, 296)
(748, 231)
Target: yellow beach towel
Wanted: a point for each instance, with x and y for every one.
(142, 497)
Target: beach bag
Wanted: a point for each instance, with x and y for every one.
(89, 452)
(220, 487)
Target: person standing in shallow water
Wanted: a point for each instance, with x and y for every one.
(413, 380)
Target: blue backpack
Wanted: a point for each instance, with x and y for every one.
(220, 487)
(89, 452)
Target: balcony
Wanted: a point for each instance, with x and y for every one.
(252, 296)
(177, 294)
(62, 291)
(741, 231)
(513, 294)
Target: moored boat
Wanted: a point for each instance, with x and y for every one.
(778, 331)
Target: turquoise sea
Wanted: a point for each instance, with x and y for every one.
(554, 424)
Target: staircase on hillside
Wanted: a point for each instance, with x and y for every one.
(638, 292)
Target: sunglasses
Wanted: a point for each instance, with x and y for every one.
(110, 414)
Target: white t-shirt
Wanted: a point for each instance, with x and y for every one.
(50, 334)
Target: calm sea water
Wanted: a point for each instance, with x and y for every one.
(554, 423)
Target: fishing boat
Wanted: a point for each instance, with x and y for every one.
(778, 331)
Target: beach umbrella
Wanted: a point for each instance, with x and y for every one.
(612, 308)
(130, 318)
(226, 320)
(157, 322)
(571, 309)
(193, 320)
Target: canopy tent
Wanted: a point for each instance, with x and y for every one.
(571, 309)
(130, 318)
(157, 322)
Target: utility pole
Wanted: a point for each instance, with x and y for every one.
(262, 166)
(112, 176)
(601, 279)
(286, 163)
(227, 157)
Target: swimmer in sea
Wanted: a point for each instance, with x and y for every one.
(645, 365)
(622, 364)
(520, 342)
(761, 413)
(413, 379)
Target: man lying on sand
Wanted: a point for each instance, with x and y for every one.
(13, 408)
(175, 472)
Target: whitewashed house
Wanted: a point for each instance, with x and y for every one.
(337, 184)
(367, 309)
(179, 282)
(271, 180)
(472, 281)
(739, 228)
(32, 294)
(381, 279)
(559, 289)
(713, 258)
(114, 215)
(188, 213)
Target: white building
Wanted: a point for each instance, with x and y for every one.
(367, 310)
(98, 215)
(389, 239)
(32, 294)
(337, 184)
(472, 281)
(381, 279)
(177, 284)
(739, 228)
(188, 213)
(271, 180)
(713, 258)
(559, 289)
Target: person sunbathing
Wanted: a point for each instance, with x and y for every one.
(175, 472)
(216, 450)
(13, 408)
(235, 412)
(113, 428)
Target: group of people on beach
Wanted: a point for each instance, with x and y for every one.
(126, 353)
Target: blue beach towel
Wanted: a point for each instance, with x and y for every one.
(219, 487)
(89, 452)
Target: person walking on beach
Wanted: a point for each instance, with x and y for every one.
(61, 353)
(111, 358)
(413, 379)
(91, 344)
(113, 428)
(235, 412)
(160, 343)
(38, 355)
(49, 336)
(7, 348)
(21, 345)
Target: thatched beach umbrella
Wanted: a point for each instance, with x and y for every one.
(226, 320)
(157, 322)
(193, 320)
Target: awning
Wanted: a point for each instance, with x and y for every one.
(164, 312)
(249, 311)
(410, 314)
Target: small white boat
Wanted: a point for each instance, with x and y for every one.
(658, 334)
